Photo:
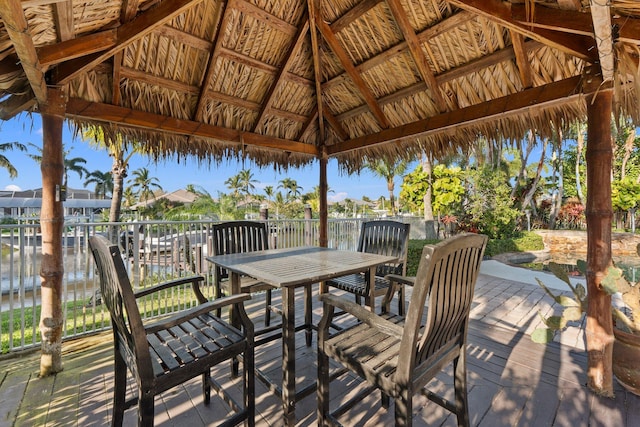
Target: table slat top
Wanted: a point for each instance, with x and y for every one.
(297, 266)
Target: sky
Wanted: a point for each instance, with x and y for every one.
(172, 176)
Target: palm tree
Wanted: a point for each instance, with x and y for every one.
(292, 187)
(143, 184)
(388, 169)
(234, 184)
(4, 162)
(119, 165)
(103, 182)
(246, 179)
(70, 164)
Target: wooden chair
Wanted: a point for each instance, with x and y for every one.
(384, 238)
(238, 237)
(400, 355)
(166, 352)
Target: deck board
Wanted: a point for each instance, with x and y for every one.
(512, 381)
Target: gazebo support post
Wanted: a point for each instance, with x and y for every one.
(599, 212)
(324, 211)
(51, 223)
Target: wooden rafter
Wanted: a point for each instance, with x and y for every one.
(573, 22)
(522, 61)
(601, 15)
(128, 117)
(280, 76)
(16, 104)
(357, 79)
(128, 12)
(211, 63)
(353, 14)
(505, 54)
(63, 15)
(313, 6)
(560, 92)
(501, 13)
(417, 53)
(127, 33)
(433, 31)
(16, 25)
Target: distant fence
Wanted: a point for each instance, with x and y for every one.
(153, 250)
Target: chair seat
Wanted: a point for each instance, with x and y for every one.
(357, 284)
(193, 342)
(369, 350)
(248, 286)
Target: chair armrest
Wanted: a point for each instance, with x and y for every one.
(403, 280)
(192, 312)
(194, 280)
(363, 314)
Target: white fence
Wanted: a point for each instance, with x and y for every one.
(154, 250)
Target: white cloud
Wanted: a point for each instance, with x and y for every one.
(337, 197)
(12, 187)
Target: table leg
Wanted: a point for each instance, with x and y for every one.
(288, 356)
(233, 319)
(308, 314)
(372, 289)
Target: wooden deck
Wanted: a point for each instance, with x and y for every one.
(512, 381)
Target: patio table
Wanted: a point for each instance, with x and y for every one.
(288, 269)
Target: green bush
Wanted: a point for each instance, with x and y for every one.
(524, 242)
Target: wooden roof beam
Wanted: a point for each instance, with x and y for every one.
(505, 54)
(522, 60)
(501, 13)
(417, 53)
(213, 57)
(601, 15)
(16, 104)
(441, 27)
(127, 117)
(63, 16)
(353, 14)
(280, 76)
(554, 93)
(128, 11)
(313, 6)
(357, 79)
(575, 22)
(127, 33)
(16, 25)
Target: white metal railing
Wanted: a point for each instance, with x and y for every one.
(153, 250)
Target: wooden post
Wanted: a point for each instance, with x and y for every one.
(324, 211)
(52, 224)
(599, 212)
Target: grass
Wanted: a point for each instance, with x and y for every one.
(83, 317)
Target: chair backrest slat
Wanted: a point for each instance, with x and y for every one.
(118, 296)
(386, 237)
(238, 237)
(444, 288)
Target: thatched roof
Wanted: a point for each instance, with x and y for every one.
(282, 82)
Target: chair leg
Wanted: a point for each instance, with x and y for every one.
(384, 400)
(249, 386)
(119, 389)
(307, 314)
(218, 294)
(267, 313)
(145, 409)
(404, 409)
(323, 387)
(460, 385)
(401, 300)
